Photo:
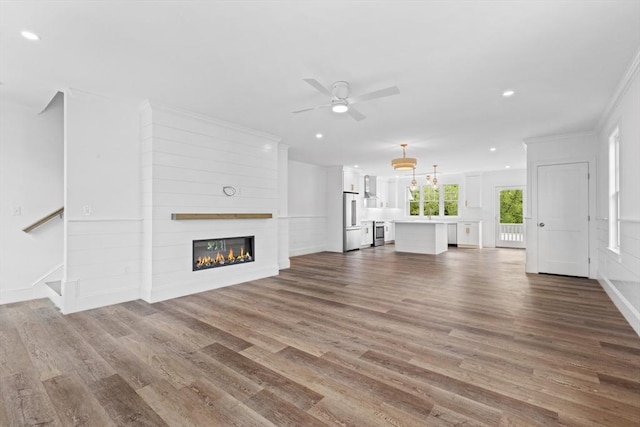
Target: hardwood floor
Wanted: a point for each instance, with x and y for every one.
(369, 338)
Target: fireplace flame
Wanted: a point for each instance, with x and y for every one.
(220, 259)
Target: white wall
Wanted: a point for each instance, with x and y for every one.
(307, 208)
(283, 207)
(619, 274)
(187, 159)
(31, 179)
(552, 150)
(103, 221)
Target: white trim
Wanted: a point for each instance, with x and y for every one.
(624, 306)
(25, 294)
(42, 278)
(113, 296)
(202, 117)
(549, 138)
(307, 250)
(631, 220)
(620, 91)
(105, 219)
(182, 289)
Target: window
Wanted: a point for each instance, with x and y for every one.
(431, 205)
(450, 199)
(429, 201)
(614, 191)
(414, 201)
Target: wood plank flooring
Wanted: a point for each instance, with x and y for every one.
(369, 338)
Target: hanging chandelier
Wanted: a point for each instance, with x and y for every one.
(433, 181)
(404, 163)
(414, 183)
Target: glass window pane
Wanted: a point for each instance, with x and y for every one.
(511, 206)
(431, 200)
(450, 199)
(414, 201)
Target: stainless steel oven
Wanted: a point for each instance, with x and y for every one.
(378, 233)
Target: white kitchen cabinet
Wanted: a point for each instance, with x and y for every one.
(367, 233)
(392, 193)
(350, 180)
(473, 191)
(389, 234)
(469, 234)
(383, 193)
(452, 233)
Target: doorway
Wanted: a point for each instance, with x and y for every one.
(563, 219)
(509, 217)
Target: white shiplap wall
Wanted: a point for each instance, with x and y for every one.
(619, 273)
(186, 161)
(102, 221)
(307, 208)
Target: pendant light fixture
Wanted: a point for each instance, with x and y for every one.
(414, 183)
(404, 162)
(433, 181)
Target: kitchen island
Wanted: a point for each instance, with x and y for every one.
(421, 236)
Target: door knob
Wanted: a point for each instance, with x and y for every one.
(541, 224)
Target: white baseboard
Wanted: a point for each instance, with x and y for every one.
(25, 294)
(628, 311)
(306, 250)
(73, 303)
(182, 289)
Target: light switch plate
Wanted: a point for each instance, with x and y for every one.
(86, 210)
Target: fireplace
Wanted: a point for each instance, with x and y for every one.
(213, 253)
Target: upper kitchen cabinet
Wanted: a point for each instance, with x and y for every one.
(350, 180)
(393, 194)
(473, 191)
(383, 186)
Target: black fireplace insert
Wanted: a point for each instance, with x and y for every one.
(213, 253)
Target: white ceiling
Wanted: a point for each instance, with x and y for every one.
(244, 61)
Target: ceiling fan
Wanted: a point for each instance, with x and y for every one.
(340, 101)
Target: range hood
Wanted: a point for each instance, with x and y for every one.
(369, 187)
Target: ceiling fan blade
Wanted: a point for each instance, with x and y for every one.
(312, 108)
(355, 114)
(393, 90)
(318, 86)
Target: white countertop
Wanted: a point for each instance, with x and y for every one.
(418, 221)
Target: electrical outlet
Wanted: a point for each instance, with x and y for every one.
(86, 210)
(17, 210)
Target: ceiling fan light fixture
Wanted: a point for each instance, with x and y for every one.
(339, 106)
(404, 162)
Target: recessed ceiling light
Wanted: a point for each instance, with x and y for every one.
(507, 167)
(30, 36)
(492, 149)
(356, 166)
(507, 93)
(319, 135)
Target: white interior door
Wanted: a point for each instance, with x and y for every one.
(563, 219)
(509, 217)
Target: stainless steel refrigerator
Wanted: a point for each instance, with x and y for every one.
(351, 239)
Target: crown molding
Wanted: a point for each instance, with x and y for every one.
(620, 91)
(547, 138)
(204, 118)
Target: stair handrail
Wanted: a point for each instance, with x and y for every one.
(43, 220)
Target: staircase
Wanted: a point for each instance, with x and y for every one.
(51, 281)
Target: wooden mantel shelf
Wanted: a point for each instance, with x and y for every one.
(183, 216)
